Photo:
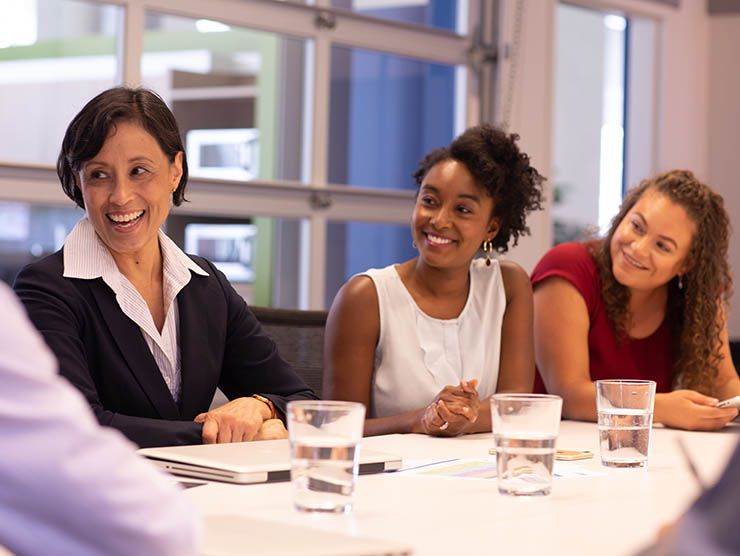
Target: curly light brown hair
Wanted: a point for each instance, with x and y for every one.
(494, 160)
(694, 308)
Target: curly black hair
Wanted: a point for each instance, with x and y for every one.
(496, 163)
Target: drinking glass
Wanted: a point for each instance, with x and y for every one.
(525, 427)
(625, 411)
(324, 453)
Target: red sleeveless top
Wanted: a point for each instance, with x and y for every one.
(649, 358)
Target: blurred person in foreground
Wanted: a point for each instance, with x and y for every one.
(68, 486)
(709, 527)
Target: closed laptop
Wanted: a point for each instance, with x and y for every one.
(248, 462)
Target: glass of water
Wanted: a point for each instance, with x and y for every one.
(525, 427)
(625, 410)
(324, 453)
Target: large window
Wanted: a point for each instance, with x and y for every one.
(31, 231)
(353, 247)
(54, 56)
(387, 112)
(303, 122)
(251, 251)
(237, 94)
(604, 117)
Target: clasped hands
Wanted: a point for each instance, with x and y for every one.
(453, 411)
(240, 420)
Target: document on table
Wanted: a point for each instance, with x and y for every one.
(472, 468)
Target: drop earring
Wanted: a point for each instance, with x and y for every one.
(488, 250)
(680, 281)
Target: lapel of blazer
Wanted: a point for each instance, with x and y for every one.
(133, 347)
(195, 357)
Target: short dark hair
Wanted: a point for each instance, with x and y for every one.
(496, 163)
(91, 126)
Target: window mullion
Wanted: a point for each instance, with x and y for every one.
(349, 29)
(131, 44)
(313, 266)
(315, 263)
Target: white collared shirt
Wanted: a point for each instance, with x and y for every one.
(86, 257)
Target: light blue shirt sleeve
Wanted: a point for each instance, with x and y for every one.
(67, 485)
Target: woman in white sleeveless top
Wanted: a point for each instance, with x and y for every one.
(424, 343)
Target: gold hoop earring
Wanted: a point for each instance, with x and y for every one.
(488, 250)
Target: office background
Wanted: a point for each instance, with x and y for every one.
(304, 121)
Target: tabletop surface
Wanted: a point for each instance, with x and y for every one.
(603, 511)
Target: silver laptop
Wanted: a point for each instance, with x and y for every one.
(248, 462)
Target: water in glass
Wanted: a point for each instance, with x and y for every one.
(525, 464)
(323, 472)
(625, 437)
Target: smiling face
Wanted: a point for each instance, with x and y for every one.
(651, 244)
(127, 189)
(452, 216)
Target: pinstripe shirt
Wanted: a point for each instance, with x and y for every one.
(86, 257)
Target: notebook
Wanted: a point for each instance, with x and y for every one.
(248, 462)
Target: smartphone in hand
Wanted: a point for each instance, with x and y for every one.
(730, 402)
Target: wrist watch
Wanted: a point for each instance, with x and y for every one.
(270, 405)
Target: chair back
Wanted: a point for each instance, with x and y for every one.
(299, 336)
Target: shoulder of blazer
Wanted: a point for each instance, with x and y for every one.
(203, 263)
(51, 265)
(215, 276)
(47, 275)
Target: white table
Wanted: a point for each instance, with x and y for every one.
(615, 512)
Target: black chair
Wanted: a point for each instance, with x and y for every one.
(299, 336)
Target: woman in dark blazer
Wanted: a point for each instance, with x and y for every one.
(145, 332)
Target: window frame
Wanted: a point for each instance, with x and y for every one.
(315, 201)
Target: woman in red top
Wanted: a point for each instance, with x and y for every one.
(647, 302)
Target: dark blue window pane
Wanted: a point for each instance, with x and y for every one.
(386, 113)
(440, 14)
(356, 246)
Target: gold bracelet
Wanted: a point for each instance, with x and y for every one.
(270, 405)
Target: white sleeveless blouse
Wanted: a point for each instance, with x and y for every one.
(418, 355)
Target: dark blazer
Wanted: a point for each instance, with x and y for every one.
(103, 353)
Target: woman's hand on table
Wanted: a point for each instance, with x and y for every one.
(453, 411)
(690, 410)
(236, 421)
